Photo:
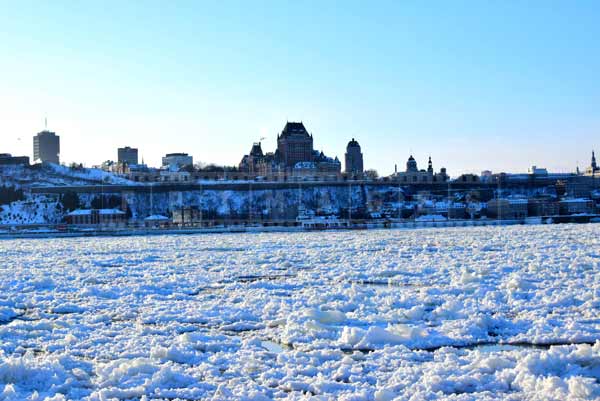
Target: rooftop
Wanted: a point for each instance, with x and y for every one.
(46, 133)
(294, 128)
(86, 212)
(353, 144)
(176, 154)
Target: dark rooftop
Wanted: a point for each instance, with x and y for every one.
(292, 128)
(256, 150)
(353, 144)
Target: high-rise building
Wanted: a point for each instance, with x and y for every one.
(354, 158)
(128, 156)
(46, 147)
(294, 145)
(294, 155)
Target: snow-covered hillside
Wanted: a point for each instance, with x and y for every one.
(40, 208)
(370, 315)
(55, 175)
(37, 210)
(89, 175)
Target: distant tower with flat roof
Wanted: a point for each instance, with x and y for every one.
(46, 147)
(127, 156)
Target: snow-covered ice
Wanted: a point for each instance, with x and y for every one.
(481, 313)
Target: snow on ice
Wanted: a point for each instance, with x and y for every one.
(490, 313)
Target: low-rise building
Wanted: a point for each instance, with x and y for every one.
(507, 208)
(176, 161)
(467, 178)
(7, 158)
(174, 176)
(449, 209)
(96, 217)
(413, 175)
(576, 206)
(186, 215)
(543, 207)
(538, 171)
(157, 221)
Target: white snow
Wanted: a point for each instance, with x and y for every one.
(36, 210)
(478, 313)
(431, 217)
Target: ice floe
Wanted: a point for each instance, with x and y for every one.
(480, 313)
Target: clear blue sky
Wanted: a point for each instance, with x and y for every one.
(479, 85)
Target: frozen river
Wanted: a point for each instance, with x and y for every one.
(456, 313)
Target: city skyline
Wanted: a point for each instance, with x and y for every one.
(398, 166)
(475, 86)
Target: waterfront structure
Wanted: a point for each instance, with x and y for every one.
(157, 221)
(570, 206)
(508, 208)
(353, 158)
(46, 147)
(96, 217)
(176, 161)
(186, 216)
(543, 206)
(7, 158)
(447, 209)
(127, 156)
(413, 175)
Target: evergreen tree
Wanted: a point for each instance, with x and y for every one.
(70, 201)
(10, 194)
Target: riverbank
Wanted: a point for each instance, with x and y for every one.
(62, 231)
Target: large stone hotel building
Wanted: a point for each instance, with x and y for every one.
(295, 155)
